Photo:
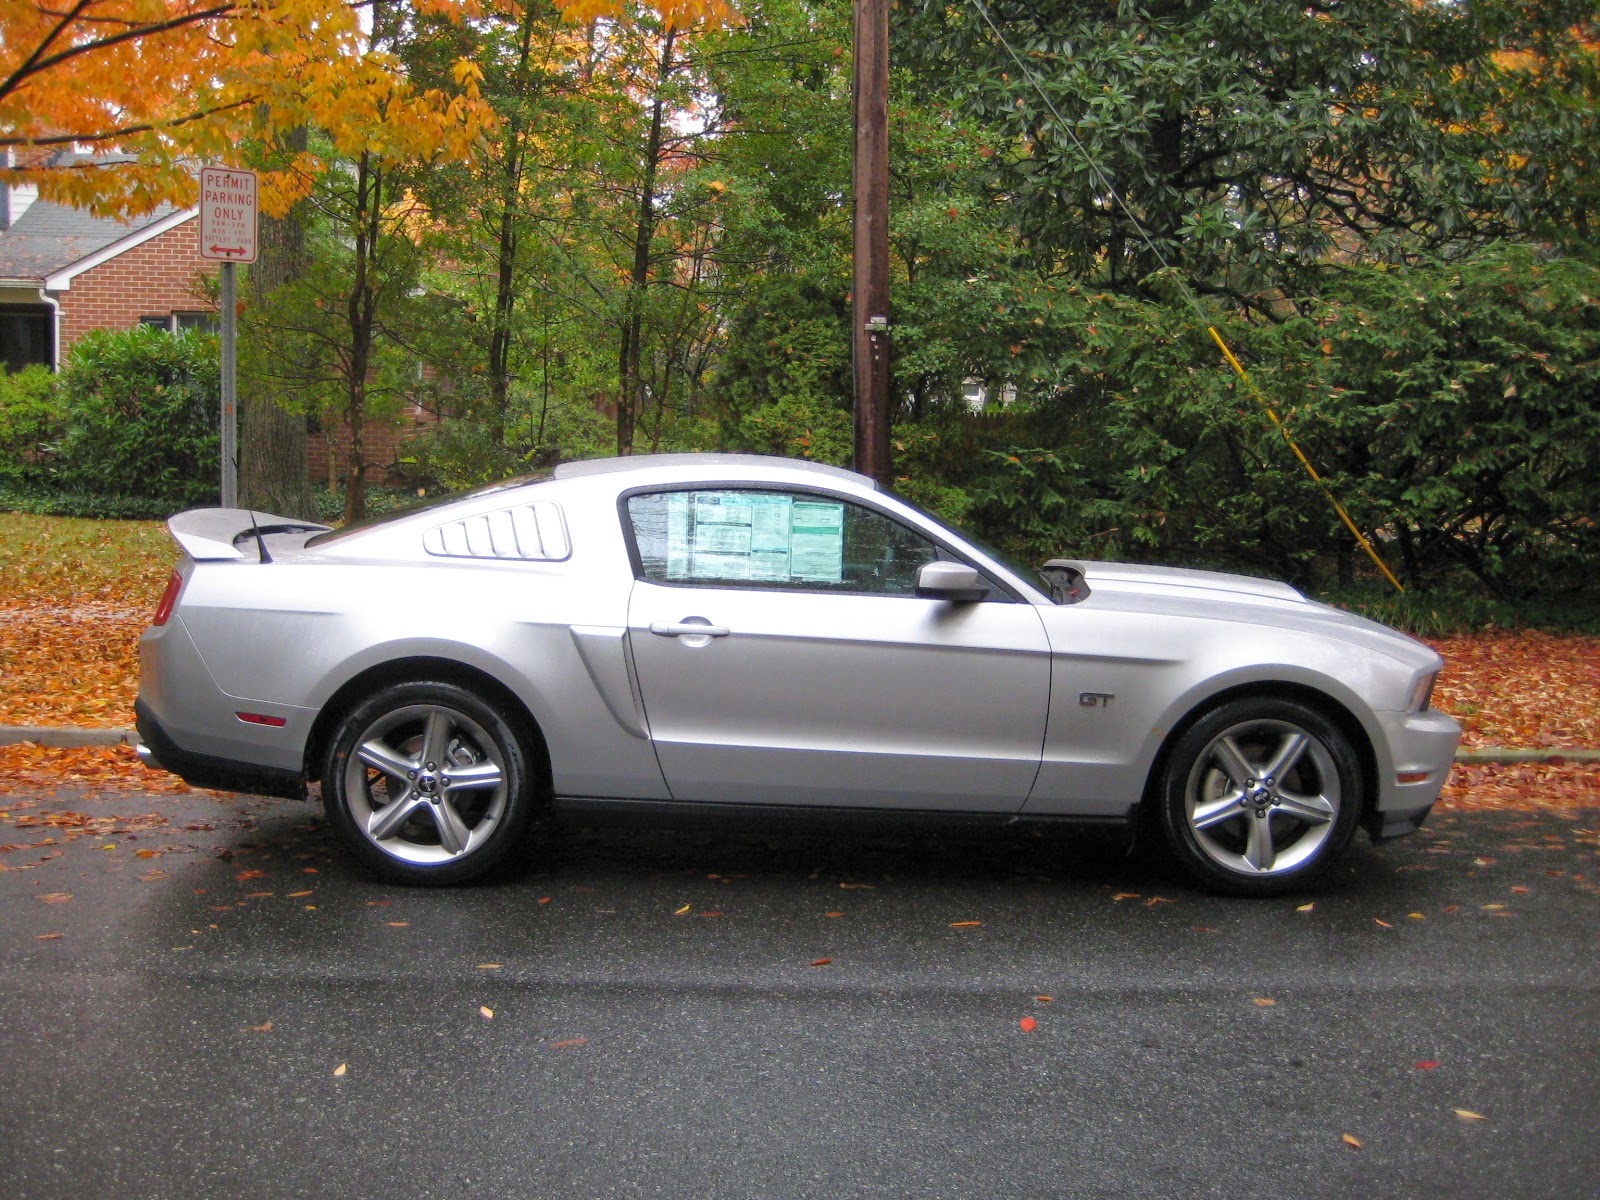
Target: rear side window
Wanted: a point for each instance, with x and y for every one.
(759, 538)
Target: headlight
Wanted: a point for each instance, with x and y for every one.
(1421, 691)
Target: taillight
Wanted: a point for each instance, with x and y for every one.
(169, 599)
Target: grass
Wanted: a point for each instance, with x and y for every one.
(74, 560)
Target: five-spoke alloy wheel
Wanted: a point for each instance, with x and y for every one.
(428, 784)
(1260, 796)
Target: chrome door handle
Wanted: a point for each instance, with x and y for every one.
(686, 629)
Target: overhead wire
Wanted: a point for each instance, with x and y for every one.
(1187, 292)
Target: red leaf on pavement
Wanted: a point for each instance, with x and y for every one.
(821, 962)
(1028, 1024)
(568, 1042)
(243, 875)
(1427, 1064)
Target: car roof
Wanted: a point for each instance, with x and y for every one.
(646, 462)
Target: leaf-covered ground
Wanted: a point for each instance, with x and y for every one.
(75, 595)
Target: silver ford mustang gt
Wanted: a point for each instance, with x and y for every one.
(736, 634)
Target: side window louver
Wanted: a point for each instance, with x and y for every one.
(530, 532)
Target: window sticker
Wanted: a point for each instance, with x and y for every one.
(753, 536)
(816, 541)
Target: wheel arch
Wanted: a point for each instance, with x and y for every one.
(427, 668)
(1328, 706)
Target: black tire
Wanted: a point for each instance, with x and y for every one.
(1260, 796)
(459, 769)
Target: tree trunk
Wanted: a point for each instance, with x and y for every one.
(630, 357)
(273, 476)
(505, 298)
(362, 317)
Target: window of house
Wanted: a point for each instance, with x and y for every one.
(25, 337)
(791, 540)
(206, 322)
(177, 322)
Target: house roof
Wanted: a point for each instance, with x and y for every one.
(51, 237)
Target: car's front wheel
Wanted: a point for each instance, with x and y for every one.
(425, 783)
(1260, 796)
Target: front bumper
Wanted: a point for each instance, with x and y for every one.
(1420, 748)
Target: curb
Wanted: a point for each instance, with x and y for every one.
(68, 737)
(65, 737)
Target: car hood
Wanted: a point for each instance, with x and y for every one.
(1217, 595)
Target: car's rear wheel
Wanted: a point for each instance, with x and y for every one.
(427, 784)
(1260, 796)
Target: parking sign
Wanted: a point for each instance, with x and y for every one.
(228, 214)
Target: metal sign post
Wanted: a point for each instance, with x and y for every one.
(228, 235)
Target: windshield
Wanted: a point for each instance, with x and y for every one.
(412, 510)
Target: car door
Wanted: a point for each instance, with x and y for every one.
(783, 658)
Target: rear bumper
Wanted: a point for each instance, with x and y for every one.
(157, 749)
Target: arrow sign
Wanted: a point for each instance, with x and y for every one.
(228, 214)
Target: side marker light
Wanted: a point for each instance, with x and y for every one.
(261, 719)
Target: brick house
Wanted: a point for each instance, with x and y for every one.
(64, 273)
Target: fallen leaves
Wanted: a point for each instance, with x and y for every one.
(1028, 1024)
(1468, 1115)
(1521, 688)
(78, 594)
(1561, 788)
(1264, 1002)
(341, 1070)
(26, 769)
(54, 897)
(1427, 1064)
(1350, 1139)
(569, 1042)
(47, 937)
(820, 962)
(486, 1012)
(964, 924)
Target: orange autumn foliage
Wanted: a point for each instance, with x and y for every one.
(176, 82)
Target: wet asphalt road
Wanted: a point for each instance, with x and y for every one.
(182, 1036)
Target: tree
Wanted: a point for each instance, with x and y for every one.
(1259, 145)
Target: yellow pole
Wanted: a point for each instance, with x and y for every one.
(1304, 461)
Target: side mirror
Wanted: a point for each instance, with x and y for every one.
(950, 581)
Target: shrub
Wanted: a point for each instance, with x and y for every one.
(141, 410)
(30, 422)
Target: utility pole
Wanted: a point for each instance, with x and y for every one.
(870, 292)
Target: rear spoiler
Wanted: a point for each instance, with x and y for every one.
(209, 534)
